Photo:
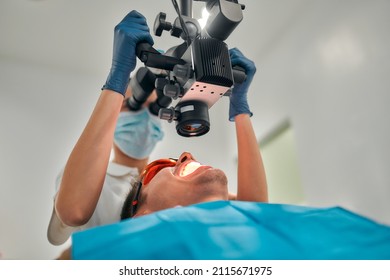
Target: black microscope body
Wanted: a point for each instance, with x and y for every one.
(196, 73)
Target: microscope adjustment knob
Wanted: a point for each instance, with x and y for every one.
(176, 31)
(160, 24)
(172, 90)
(167, 114)
(160, 83)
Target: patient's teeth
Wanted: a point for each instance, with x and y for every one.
(190, 168)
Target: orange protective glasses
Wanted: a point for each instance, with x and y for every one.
(154, 167)
(147, 175)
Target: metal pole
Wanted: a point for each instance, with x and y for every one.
(186, 7)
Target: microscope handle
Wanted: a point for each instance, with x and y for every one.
(143, 49)
(239, 74)
(152, 58)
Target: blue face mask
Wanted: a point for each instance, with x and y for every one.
(137, 133)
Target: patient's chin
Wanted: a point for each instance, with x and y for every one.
(214, 179)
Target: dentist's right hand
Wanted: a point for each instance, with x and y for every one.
(128, 33)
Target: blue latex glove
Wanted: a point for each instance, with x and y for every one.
(128, 33)
(238, 97)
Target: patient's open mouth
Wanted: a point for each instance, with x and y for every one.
(189, 168)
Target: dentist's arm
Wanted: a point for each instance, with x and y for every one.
(252, 183)
(86, 167)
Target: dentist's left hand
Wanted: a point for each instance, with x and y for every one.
(128, 33)
(238, 98)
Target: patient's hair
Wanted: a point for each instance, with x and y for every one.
(128, 204)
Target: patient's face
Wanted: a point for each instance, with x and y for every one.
(187, 183)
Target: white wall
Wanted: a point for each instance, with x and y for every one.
(41, 115)
(329, 73)
(326, 69)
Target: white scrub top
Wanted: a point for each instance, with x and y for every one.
(117, 185)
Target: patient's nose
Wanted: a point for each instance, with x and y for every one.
(184, 157)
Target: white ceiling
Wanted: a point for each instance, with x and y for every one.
(77, 35)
